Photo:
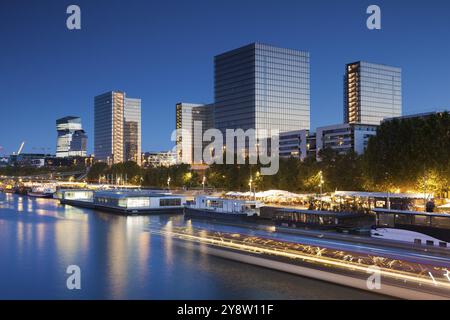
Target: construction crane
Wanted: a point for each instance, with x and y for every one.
(20, 149)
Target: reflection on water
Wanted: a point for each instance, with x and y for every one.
(120, 259)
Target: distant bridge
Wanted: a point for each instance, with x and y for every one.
(50, 176)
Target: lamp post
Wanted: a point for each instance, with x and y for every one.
(321, 182)
(250, 184)
(388, 200)
(258, 177)
(425, 187)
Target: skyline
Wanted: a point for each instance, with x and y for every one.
(225, 157)
(61, 76)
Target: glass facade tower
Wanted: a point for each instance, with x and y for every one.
(262, 87)
(72, 139)
(372, 92)
(132, 130)
(117, 128)
(186, 115)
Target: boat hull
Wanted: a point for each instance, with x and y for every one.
(214, 215)
(122, 211)
(438, 238)
(40, 195)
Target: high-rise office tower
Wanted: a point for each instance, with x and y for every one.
(117, 128)
(72, 139)
(262, 87)
(372, 92)
(132, 130)
(187, 114)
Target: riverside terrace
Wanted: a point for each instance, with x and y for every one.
(342, 201)
(146, 202)
(123, 201)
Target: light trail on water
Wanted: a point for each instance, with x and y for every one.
(358, 264)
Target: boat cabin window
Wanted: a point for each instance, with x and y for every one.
(107, 201)
(214, 204)
(170, 202)
(403, 219)
(308, 219)
(421, 220)
(385, 219)
(326, 220)
(380, 204)
(440, 222)
(138, 202)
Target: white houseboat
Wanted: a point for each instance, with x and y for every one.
(220, 208)
(124, 201)
(44, 191)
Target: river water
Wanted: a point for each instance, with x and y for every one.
(120, 259)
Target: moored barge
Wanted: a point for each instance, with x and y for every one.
(41, 192)
(123, 201)
(205, 207)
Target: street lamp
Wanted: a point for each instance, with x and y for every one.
(425, 188)
(388, 200)
(257, 180)
(250, 183)
(321, 182)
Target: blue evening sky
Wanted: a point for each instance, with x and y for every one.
(162, 52)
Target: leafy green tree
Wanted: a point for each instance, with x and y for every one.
(158, 177)
(129, 172)
(431, 182)
(96, 171)
(405, 149)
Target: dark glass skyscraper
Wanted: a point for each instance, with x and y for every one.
(262, 87)
(372, 92)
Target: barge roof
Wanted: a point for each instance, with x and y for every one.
(412, 213)
(362, 194)
(132, 194)
(319, 213)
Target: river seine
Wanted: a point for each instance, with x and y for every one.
(120, 259)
